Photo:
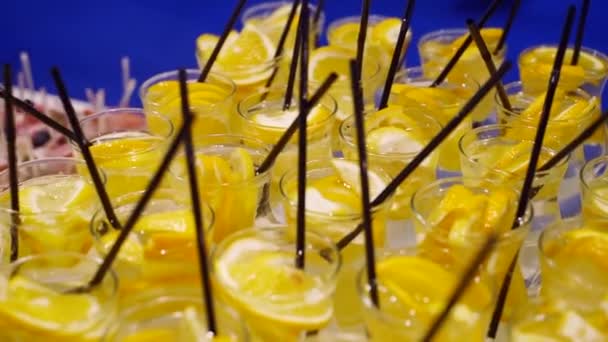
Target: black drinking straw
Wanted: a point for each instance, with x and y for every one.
(452, 62)
(83, 145)
(508, 25)
(526, 190)
(220, 43)
(47, 120)
(316, 18)
(430, 147)
(487, 58)
(303, 106)
(580, 32)
(585, 134)
(139, 207)
(465, 281)
(284, 139)
(281, 44)
(203, 263)
(367, 216)
(362, 35)
(293, 67)
(11, 136)
(406, 19)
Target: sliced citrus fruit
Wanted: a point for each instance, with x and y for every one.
(241, 164)
(386, 34)
(349, 172)
(328, 59)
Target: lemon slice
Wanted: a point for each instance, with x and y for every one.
(453, 199)
(212, 169)
(349, 172)
(498, 209)
(392, 140)
(259, 273)
(533, 111)
(345, 35)
(31, 306)
(386, 34)
(132, 250)
(241, 164)
(284, 118)
(328, 59)
(57, 196)
(579, 109)
(546, 55)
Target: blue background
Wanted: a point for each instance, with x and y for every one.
(88, 38)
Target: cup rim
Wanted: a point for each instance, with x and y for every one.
(251, 11)
(538, 174)
(589, 166)
(520, 87)
(589, 75)
(190, 74)
(455, 31)
(502, 238)
(29, 163)
(350, 141)
(325, 164)
(243, 111)
(280, 231)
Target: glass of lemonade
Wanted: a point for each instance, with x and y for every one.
(261, 116)
(333, 209)
(413, 290)
(256, 274)
(161, 249)
(590, 74)
(127, 144)
(36, 307)
(210, 102)
(226, 167)
(57, 199)
(175, 316)
(594, 184)
(454, 217)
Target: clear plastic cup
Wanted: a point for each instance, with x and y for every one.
(594, 185)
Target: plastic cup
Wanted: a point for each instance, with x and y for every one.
(594, 185)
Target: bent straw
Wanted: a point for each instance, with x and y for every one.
(406, 19)
(452, 62)
(11, 136)
(203, 262)
(284, 139)
(220, 43)
(282, 39)
(487, 58)
(580, 32)
(362, 35)
(430, 147)
(26, 107)
(303, 106)
(139, 208)
(367, 216)
(293, 67)
(508, 25)
(536, 149)
(469, 276)
(83, 145)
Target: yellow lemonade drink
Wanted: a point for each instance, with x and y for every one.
(127, 145)
(437, 48)
(228, 181)
(210, 102)
(333, 209)
(56, 201)
(247, 58)
(255, 272)
(394, 136)
(381, 39)
(412, 292)
(454, 218)
(590, 73)
(411, 90)
(161, 250)
(328, 59)
(594, 185)
(35, 305)
(574, 287)
(571, 113)
(261, 116)
(175, 316)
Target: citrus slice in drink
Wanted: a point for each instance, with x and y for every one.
(386, 33)
(328, 59)
(29, 306)
(490, 35)
(260, 279)
(350, 173)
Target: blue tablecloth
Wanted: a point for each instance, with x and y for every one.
(88, 38)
